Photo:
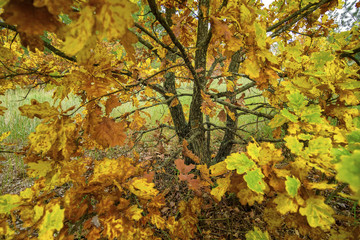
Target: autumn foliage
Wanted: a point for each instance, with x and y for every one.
(136, 55)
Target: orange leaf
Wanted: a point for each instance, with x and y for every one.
(18, 12)
(111, 103)
(137, 121)
(182, 167)
(110, 133)
(187, 153)
(222, 116)
(230, 113)
(174, 102)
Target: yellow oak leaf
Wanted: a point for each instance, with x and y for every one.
(53, 220)
(318, 214)
(222, 186)
(260, 33)
(8, 202)
(319, 185)
(39, 110)
(6, 54)
(112, 169)
(174, 102)
(230, 85)
(4, 135)
(43, 139)
(111, 103)
(247, 196)
(66, 134)
(253, 150)
(78, 33)
(134, 213)
(218, 169)
(54, 7)
(230, 113)
(39, 169)
(252, 68)
(285, 204)
(158, 220)
(257, 234)
(114, 18)
(142, 188)
(269, 154)
(19, 12)
(137, 121)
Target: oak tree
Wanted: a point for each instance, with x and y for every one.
(114, 54)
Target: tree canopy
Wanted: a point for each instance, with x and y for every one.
(137, 55)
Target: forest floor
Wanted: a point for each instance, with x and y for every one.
(227, 219)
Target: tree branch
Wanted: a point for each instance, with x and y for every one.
(173, 38)
(273, 27)
(156, 39)
(296, 17)
(350, 55)
(260, 114)
(47, 45)
(237, 91)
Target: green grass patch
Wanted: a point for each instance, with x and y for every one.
(21, 126)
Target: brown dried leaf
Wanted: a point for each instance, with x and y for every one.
(109, 133)
(111, 103)
(182, 167)
(29, 19)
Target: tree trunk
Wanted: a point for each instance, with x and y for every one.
(197, 129)
(177, 114)
(231, 125)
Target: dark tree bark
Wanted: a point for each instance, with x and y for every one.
(229, 136)
(196, 119)
(177, 114)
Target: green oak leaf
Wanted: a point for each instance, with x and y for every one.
(8, 202)
(53, 220)
(278, 121)
(240, 162)
(317, 213)
(319, 145)
(297, 101)
(289, 115)
(294, 145)
(354, 140)
(321, 58)
(292, 185)
(349, 170)
(339, 152)
(254, 180)
(312, 114)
